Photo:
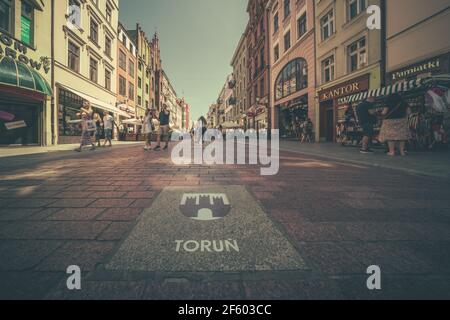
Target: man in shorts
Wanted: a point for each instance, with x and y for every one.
(164, 128)
(108, 122)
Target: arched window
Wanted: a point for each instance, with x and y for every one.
(293, 78)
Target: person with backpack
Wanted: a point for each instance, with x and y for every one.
(395, 129)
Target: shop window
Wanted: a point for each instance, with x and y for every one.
(122, 86)
(6, 15)
(93, 70)
(328, 69)
(27, 23)
(74, 57)
(293, 78)
(357, 55)
(69, 105)
(327, 25)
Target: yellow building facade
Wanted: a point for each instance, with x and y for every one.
(25, 73)
(85, 58)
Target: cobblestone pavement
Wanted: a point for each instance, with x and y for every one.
(331, 220)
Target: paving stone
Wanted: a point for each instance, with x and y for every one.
(120, 214)
(86, 255)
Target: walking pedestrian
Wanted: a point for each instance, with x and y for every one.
(108, 123)
(365, 112)
(87, 126)
(148, 129)
(164, 128)
(307, 131)
(98, 128)
(395, 129)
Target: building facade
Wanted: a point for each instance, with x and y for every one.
(169, 98)
(292, 59)
(348, 59)
(239, 64)
(126, 74)
(26, 115)
(85, 61)
(417, 43)
(258, 64)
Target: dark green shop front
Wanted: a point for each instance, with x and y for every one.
(23, 96)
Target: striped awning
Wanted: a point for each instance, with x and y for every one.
(18, 74)
(384, 91)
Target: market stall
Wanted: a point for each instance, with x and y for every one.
(429, 121)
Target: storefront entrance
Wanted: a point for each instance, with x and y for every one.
(20, 122)
(291, 116)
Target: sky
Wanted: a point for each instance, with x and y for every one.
(197, 38)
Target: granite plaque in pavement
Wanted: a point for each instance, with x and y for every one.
(205, 229)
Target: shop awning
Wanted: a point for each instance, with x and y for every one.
(18, 74)
(384, 91)
(96, 103)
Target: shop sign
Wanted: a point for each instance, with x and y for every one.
(16, 50)
(417, 69)
(345, 89)
(15, 125)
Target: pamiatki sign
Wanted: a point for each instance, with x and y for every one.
(205, 229)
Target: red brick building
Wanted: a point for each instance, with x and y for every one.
(292, 47)
(258, 65)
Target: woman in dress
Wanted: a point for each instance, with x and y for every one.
(98, 129)
(148, 129)
(87, 125)
(395, 129)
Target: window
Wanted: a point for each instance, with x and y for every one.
(74, 57)
(139, 101)
(108, 14)
(139, 83)
(293, 78)
(261, 88)
(94, 31)
(122, 86)
(6, 15)
(302, 27)
(93, 70)
(122, 60)
(287, 41)
(327, 25)
(131, 68)
(261, 59)
(147, 89)
(107, 79)
(108, 46)
(357, 55)
(27, 23)
(131, 91)
(354, 8)
(275, 23)
(276, 52)
(287, 8)
(140, 66)
(328, 69)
